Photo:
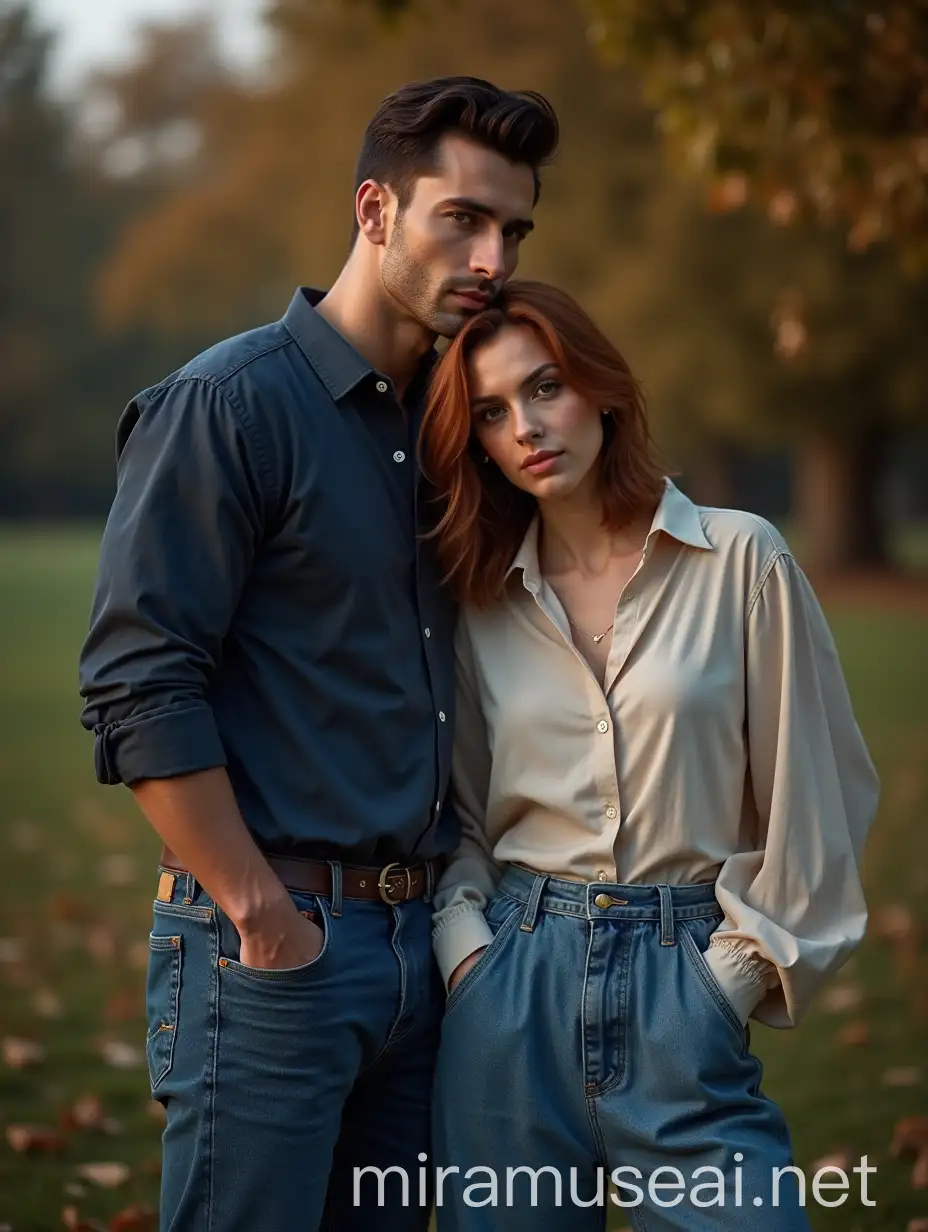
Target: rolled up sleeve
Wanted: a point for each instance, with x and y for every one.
(472, 875)
(176, 552)
(794, 905)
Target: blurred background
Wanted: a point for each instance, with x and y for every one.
(741, 199)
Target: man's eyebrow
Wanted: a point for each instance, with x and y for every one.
(525, 225)
(529, 380)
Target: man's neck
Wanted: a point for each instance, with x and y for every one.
(359, 307)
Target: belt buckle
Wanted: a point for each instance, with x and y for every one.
(384, 889)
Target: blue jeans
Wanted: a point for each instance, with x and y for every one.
(278, 1084)
(592, 1040)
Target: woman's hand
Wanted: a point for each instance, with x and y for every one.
(463, 967)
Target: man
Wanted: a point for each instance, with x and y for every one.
(269, 668)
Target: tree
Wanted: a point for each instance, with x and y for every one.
(689, 295)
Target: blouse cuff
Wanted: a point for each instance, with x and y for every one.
(742, 977)
(459, 932)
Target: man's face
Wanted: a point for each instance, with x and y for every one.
(450, 251)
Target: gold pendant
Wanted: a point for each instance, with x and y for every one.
(600, 637)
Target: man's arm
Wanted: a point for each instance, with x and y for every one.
(194, 486)
(198, 817)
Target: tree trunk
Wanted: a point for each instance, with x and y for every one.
(837, 479)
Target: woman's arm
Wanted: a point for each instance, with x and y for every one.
(794, 906)
(470, 880)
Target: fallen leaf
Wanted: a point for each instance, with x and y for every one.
(133, 1219)
(894, 922)
(121, 1055)
(157, 1111)
(21, 1053)
(917, 1225)
(910, 1137)
(105, 1175)
(841, 997)
(138, 955)
(101, 944)
(47, 1003)
(854, 1033)
(118, 870)
(836, 1159)
(71, 1219)
(12, 950)
(25, 836)
(28, 1138)
(920, 1171)
(902, 1076)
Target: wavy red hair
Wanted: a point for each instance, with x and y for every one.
(484, 517)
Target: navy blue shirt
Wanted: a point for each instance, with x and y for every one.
(265, 600)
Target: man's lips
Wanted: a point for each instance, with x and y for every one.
(473, 299)
(538, 459)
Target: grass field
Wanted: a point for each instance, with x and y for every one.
(76, 881)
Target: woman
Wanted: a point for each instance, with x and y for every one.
(663, 797)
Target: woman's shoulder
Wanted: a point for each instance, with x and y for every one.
(740, 532)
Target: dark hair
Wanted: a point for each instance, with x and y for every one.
(485, 517)
(401, 141)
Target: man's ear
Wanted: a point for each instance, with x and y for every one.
(371, 206)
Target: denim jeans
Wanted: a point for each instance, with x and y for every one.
(278, 1084)
(592, 1040)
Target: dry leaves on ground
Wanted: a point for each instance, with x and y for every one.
(30, 1138)
(21, 1053)
(121, 1055)
(108, 1175)
(852, 1034)
(841, 997)
(901, 1076)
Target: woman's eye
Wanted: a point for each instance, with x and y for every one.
(492, 413)
(547, 388)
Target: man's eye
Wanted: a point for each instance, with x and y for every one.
(462, 216)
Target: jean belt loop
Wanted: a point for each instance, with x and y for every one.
(190, 888)
(667, 933)
(336, 867)
(531, 908)
(429, 880)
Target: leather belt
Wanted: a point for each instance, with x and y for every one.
(392, 884)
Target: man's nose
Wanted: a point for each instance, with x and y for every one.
(488, 256)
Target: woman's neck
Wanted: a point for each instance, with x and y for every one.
(574, 540)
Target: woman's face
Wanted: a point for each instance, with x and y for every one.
(543, 436)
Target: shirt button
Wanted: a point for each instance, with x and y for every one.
(399, 456)
(602, 725)
(382, 387)
(428, 632)
(441, 716)
(611, 811)
(602, 900)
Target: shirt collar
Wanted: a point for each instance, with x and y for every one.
(676, 515)
(335, 361)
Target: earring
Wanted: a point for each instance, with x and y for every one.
(486, 458)
(606, 411)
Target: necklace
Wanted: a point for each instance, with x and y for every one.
(594, 637)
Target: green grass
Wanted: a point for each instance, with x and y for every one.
(84, 938)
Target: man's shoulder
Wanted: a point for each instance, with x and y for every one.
(225, 362)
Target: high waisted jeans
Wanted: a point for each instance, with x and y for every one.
(592, 1048)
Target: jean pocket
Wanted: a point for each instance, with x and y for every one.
(711, 985)
(502, 916)
(310, 908)
(162, 1004)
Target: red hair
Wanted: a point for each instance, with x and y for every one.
(485, 517)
